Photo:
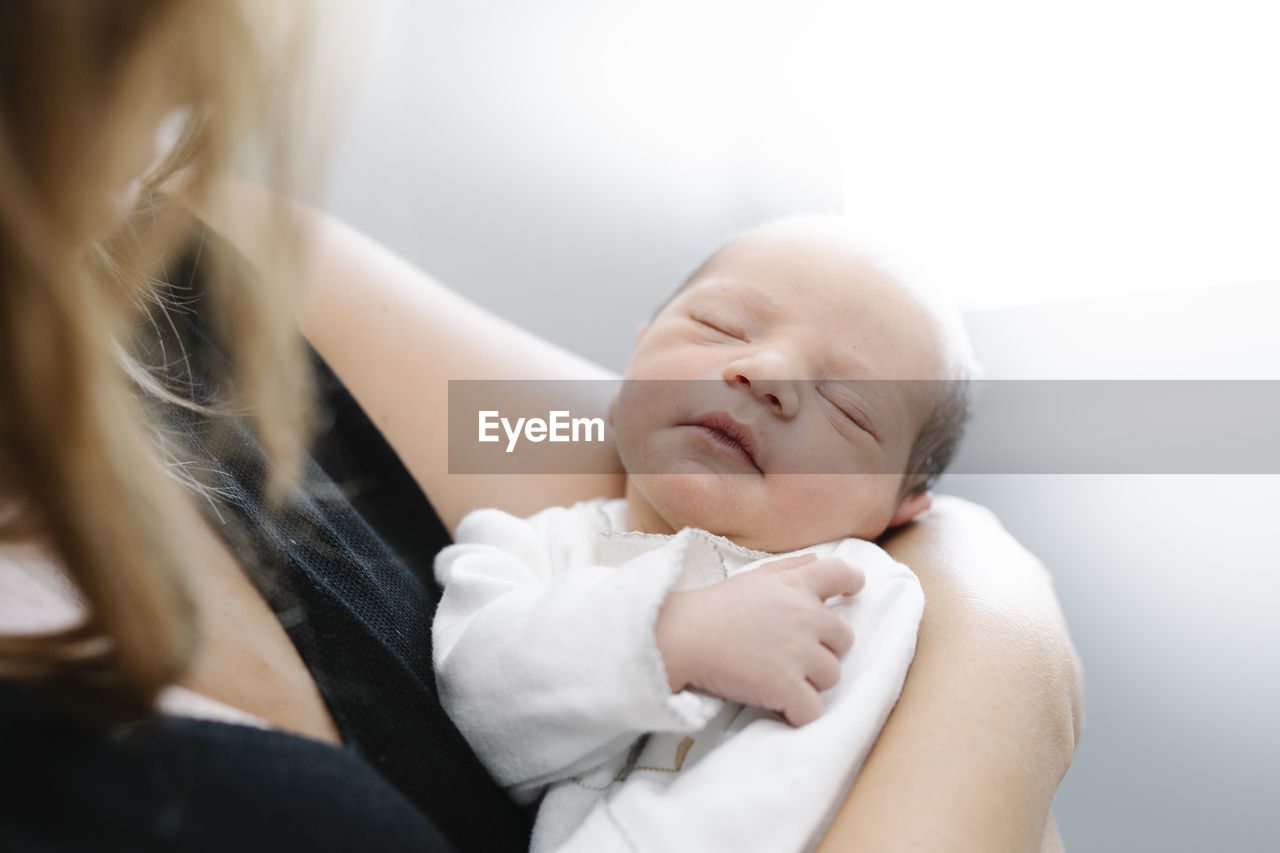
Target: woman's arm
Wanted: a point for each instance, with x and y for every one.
(990, 712)
(989, 715)
(395, 337)
(988, 718)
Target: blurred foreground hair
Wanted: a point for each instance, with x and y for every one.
(84, 471)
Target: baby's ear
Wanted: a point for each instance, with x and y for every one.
(911, 506)
(640, 330)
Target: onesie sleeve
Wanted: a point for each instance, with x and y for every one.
(547, 672)
(767, 786)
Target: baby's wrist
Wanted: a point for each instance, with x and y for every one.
(672, 645)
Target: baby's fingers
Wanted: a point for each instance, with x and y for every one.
(831, 577)
(804, 706)
(787, 563)
(823, 669)
(835, 634)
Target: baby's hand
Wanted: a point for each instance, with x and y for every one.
(763, 637)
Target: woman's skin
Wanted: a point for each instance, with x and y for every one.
(246, 669)
(989, 715)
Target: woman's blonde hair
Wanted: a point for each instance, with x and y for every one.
(83, 471)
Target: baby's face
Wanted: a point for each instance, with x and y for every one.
(772, 343)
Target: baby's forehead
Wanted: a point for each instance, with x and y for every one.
(787, 257)
(818, 257)
(792, 273)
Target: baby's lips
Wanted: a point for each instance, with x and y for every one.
(735, 430)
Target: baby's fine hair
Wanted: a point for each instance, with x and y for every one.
(939, 439)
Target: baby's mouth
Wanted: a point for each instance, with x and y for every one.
(734, 435)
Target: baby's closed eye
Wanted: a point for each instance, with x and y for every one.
(851, 414)
(720, 326)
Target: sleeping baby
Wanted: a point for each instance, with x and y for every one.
(676, 669)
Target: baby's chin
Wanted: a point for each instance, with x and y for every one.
(701, 499)
(708, 502)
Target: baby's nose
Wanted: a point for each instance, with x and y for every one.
(776, 392)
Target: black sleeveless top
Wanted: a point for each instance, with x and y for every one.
(346, 566)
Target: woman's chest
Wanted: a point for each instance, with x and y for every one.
(245, 659)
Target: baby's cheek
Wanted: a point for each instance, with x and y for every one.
(829, 506)
(803, 505)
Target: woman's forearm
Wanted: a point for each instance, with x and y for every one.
(989, 715)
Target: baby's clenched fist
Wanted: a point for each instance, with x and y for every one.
(764, 637)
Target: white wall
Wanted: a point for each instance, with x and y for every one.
(570, 163)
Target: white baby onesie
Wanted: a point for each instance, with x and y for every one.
(546, 660)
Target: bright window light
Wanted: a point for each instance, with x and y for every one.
(1028, 152)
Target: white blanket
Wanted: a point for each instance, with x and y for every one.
(546, 660)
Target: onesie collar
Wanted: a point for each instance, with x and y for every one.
(619, 543)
